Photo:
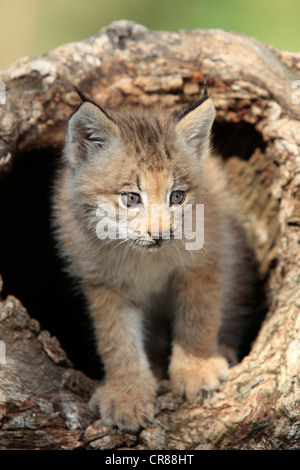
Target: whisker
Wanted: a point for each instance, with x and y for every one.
(125, 252)
(118, 244)
(109, 253)
(178, 250)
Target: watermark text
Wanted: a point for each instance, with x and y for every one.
(296, 94)
(145, 225)
(2, 352)
(2, 92)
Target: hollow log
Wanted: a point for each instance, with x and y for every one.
(45, 382)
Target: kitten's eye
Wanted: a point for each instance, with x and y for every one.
(177, 197)
(131, 199)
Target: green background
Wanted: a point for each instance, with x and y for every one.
(32, 27)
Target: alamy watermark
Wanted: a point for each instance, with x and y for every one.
(2, 352)
(296, 94)
(146, 225)
(2, 92)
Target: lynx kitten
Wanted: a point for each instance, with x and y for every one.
(135, 264)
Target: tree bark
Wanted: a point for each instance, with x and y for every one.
(43, 398)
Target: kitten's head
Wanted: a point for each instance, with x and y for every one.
(134, 171)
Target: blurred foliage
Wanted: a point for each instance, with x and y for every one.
(32, 27)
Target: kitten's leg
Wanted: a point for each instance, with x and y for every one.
(127, 398)
(196, 365)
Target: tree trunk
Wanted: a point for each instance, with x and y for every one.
(43, 396)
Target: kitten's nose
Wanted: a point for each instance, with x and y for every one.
(160, 236)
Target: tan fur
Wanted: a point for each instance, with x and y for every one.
(128, 282)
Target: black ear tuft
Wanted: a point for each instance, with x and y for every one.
(205, 94)
(83, 97)
(203, 98)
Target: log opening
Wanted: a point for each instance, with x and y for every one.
(30, 267)
(239, 139)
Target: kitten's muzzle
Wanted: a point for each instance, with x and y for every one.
(160, 238)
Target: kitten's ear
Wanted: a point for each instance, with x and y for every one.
(90, 130)
(195, 126)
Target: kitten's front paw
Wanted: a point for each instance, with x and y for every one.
(128, 410)
(196, 378)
